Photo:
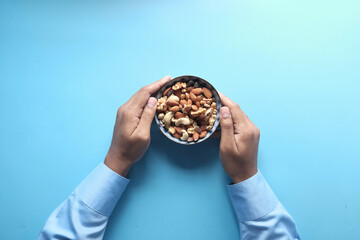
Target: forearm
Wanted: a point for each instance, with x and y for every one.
(85, 213)
(259, 212)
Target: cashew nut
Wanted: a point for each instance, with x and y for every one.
(191, 130)
(167, 119)
(171, 130)
(183, 121)
(184, 136)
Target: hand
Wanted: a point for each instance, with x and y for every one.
(239, 142)
(131, 137)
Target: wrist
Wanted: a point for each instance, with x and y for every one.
(243, 175)
(118, 164)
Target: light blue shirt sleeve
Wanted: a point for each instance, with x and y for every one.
(259, 212)
(84, 215)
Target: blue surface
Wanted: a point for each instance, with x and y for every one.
(66, 66)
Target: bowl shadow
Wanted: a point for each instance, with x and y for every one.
(187, 156)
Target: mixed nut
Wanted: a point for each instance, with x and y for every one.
(187, 110)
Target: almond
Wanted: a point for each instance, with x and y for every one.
(176, 135)
(183, 102)
(198, 104)
(178, 130)
(194, 107)
(166, 91)
(189, 102)
(198, 98)
(197, 129)
(175, 109)
(192, 97)
(172, 103)
(196, 136)
(187, 96)
(203, 134)
(179, 115)
(207, 92)
(196, 91)
(190, 88)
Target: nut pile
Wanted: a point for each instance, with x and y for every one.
(187, 110)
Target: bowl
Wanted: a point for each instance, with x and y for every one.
(202, 83)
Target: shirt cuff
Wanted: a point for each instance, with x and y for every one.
(102, 189)
(252, 198)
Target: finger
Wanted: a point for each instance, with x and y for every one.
(227, 127)
(140, 98)
(237, 114)
(147, 116)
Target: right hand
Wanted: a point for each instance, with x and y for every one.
(131, 137)
(239, 142)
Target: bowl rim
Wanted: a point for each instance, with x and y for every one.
(186, 78)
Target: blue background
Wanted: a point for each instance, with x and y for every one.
(293, 66)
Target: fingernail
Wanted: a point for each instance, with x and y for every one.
(152, 102)
(225, 112)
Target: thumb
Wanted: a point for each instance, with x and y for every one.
(147, 115)
(227, 127)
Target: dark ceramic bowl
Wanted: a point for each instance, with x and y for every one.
(202, 83)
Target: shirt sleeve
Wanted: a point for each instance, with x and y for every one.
(84, 215)
(259, 212)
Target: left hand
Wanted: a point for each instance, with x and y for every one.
(131, 137)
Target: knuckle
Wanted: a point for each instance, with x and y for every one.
(142, 138)
(257, 131)
(120, 111)
(144, 89)
(235, 105)
(247, 133)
